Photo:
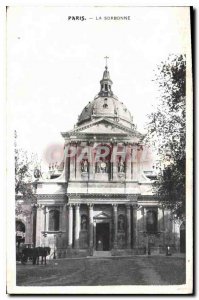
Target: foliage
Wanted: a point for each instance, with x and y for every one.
(166, 130)
(170, 188)
(24, 180)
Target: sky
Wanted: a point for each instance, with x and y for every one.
(54, 65)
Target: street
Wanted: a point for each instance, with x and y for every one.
(136, 270)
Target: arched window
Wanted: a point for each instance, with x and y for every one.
(121, 223)
(20, 226)
(53, 220)
(20, 232)
(105, 105)
(151, 221)
(84, 222)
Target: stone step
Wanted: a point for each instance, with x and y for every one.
(102, 253)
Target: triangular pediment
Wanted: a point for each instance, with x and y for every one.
(102, 126)
(102, 215)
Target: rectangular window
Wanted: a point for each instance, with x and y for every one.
(53, 220)
(151, 221)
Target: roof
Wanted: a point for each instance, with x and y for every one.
(106, 104)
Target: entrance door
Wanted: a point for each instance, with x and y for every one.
(102, 237)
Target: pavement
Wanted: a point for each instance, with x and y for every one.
(133, 270)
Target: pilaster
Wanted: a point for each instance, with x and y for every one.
(90, 226)
(39, 224)
(72, 163)
(115, 220)
(77, 225)
(135, 163)
(128, 162)
(135, 227)
(70, 226)
(128, 215)
(115, 167)
(63, 217)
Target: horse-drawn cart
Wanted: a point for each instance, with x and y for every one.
(19, 252)
(33, 254)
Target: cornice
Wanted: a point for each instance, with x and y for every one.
(127, 131)
(51, 196)
(102, 195)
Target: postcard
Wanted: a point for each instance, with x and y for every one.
(99, 146)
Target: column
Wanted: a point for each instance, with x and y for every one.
(70, 226)
(64, 226)
(39, 225)
(134, 226)
(47, 218)
(34, 224)
(66, 160)
(128, 215)
(144, 219)
(60, 217)
(128, 162)
(160, 219)
(63, 217)
(115, 167)
(161, 227)
(72, 161)
(91, 162)
(78, 163)
(163, 220)
(115, 220)
(45, 213)
(91, 227)
(77, 226)
(29, 237)
(135, 154)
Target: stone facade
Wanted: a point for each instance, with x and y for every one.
(103, 204)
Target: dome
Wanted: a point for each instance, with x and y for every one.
(106, 104)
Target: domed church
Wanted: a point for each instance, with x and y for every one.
(100, 202)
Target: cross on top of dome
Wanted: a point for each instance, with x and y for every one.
(106, 57)
(106, 82)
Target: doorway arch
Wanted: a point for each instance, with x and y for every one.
(20, 232)
(102, 232)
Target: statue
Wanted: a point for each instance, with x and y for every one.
(84, 166)
(121, 166)
(103, 167)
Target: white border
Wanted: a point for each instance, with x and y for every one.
(11, 267)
